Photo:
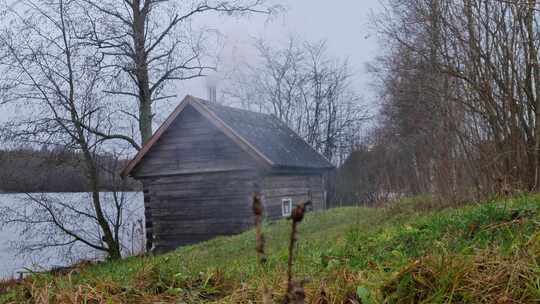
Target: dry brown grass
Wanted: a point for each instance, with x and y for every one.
(485, 277)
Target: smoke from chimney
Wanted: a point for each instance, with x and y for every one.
(211, 86)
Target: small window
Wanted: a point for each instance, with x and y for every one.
(286, 206)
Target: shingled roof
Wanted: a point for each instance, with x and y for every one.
(267, 136)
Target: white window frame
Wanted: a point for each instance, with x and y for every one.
(286, 203)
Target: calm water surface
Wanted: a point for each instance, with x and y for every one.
(11, 263)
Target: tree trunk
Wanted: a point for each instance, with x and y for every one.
(113, 247)
(534, 78)
(145, 98)
(141, 70)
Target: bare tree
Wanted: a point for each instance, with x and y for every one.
(48, 71)
(308, 90)
(459, 84)
(150, 44)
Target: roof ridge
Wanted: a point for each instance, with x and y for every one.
(211, 103)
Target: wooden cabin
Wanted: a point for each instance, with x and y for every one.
(202, 166)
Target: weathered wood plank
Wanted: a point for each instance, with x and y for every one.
(299, 188)
(196, 177)
(208, 181)
(201, 204)
(183, 217)
(174, 170)
(204, 228)
(202, 192)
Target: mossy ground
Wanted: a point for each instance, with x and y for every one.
(406, 253)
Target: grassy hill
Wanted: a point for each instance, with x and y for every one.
(407, 253)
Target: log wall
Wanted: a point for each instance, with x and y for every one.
(298, 187)
(191, 208)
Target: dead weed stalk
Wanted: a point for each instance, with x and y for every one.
(295, 289)
(295, 293)
(258, 211)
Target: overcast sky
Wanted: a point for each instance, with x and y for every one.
(343, 23)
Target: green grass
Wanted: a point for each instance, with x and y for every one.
(481, 253)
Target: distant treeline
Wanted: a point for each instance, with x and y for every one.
(56, 170)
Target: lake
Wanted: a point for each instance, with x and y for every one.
(132, 234)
